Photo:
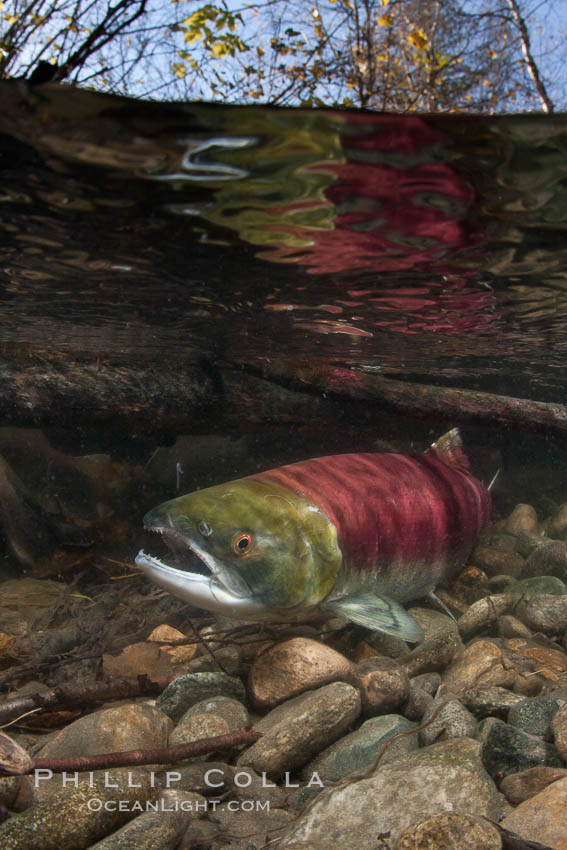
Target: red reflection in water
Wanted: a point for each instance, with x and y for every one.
(395, 209)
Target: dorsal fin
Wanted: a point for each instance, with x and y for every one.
(449, 449)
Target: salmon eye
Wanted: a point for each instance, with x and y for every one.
(205, 529)
(242, 543)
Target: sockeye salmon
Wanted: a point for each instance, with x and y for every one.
(350, 534)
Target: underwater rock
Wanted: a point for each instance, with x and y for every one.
(156, 829)
(556, 526)
(232, 711)
(506, 749)
(446, 718)
(471, 584)
(194, 776)
(191, 688)
(500, 583)
(542, 818)
(509, 626)
(428, 682)
(432, 622)
(190, 729)
(534, 715)
(383, 685)
(442, 777)
(518, 787)
(496, 538)
(490, 701)
(546, 614)
(357, 751)
(300, 728)
(417, 702)
(483, 614)
(526, 544)
(392, 647)
(239, 828)
(64, 820)
(481, 664)
(16, 793)
(14, 759)
(559, 729)
(549, 559)
(422, 690)
(522, 520)
(210, 717)
(450, 830)
(434, 654)
(497, 561)
(286, 669)
(378, 644)
(131, 726)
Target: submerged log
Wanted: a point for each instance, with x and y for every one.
(184, 398)
(202, 397)
(458, 406)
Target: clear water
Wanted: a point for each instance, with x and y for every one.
(173, 252)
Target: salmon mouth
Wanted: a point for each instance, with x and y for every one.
(180, 544)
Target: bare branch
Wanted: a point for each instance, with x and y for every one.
(533, 70)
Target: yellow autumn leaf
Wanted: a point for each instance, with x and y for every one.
(386, 20)
(260, 51)
(191, 37)
(179, 69)
(10, 19)
(220, 50)
(196, 19)
(418, 39)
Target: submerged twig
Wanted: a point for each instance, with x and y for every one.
(158, 755)
(80, 696)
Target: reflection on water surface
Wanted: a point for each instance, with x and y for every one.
(422, 246)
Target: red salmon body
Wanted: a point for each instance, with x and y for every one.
(393, 509)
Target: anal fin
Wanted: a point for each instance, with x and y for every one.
(378, 613)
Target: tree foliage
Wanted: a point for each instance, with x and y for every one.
(396, 55)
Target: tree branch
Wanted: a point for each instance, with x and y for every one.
(533, 70)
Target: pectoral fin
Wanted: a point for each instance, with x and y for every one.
(378, 613)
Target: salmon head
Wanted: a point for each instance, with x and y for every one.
(266, 546)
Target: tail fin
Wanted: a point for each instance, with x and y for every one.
(449, 449)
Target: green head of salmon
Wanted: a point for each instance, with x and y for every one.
(262, 543)
(349, 534)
